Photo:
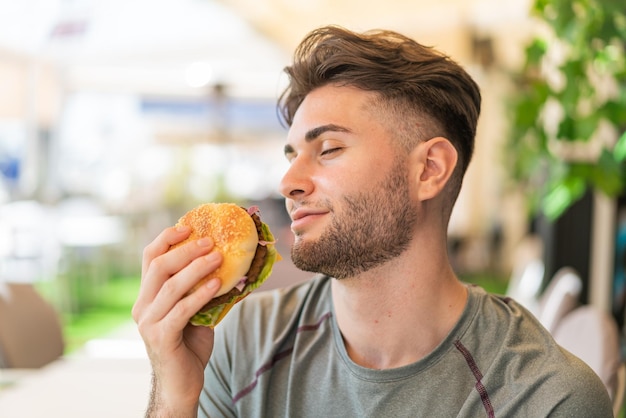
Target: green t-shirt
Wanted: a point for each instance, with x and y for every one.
(280, 354)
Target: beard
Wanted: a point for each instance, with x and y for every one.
(373, 227)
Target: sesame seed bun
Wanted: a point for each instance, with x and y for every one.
(247, 248)
(235, 236)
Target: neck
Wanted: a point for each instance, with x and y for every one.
(398, 313)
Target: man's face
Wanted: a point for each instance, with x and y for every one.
(347, 189)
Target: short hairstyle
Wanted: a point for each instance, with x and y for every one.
(431, 94)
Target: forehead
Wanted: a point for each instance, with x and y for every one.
(342, 106)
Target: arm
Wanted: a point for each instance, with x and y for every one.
(178, 351)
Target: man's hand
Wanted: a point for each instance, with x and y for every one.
(178, 351)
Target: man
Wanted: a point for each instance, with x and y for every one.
(381, 133)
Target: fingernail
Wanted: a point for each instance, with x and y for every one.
(204, 242)
(213, 283)
(212, 257)
(182, 228)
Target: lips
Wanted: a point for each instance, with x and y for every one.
(303, 216)
(300, 213)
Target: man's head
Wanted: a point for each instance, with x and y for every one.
(424, 93)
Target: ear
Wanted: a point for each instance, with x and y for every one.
(434, 161)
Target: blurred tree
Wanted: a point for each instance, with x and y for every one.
(569, 109)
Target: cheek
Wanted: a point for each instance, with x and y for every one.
(348, 177)
(335, 183)
(357, 170)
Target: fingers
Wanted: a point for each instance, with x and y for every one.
(178, 352)
(162, 320)
(162, 244)
(165, 265)
(178, 317)
(173, 294)
(186, 262)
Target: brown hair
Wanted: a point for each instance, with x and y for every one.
(415, 82)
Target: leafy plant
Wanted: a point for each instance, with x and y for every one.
(569, 112)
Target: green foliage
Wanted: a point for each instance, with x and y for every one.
(571, 91)
(112, 310)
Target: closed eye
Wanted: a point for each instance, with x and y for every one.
(331, 150)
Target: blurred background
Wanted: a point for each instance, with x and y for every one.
(118, 116)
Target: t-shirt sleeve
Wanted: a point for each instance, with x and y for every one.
(587, 396)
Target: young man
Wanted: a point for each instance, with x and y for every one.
(381, 133)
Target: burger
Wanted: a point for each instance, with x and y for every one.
(248, 254)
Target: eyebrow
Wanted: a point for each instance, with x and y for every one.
(315, 133)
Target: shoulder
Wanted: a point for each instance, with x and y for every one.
(498, 314)
(583, 393)
(524, 368)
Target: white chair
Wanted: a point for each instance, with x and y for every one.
(525, 284)
(560, 298)
(592, 335)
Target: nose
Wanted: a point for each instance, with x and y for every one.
(296, 182)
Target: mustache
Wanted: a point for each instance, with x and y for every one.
(322, 205)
